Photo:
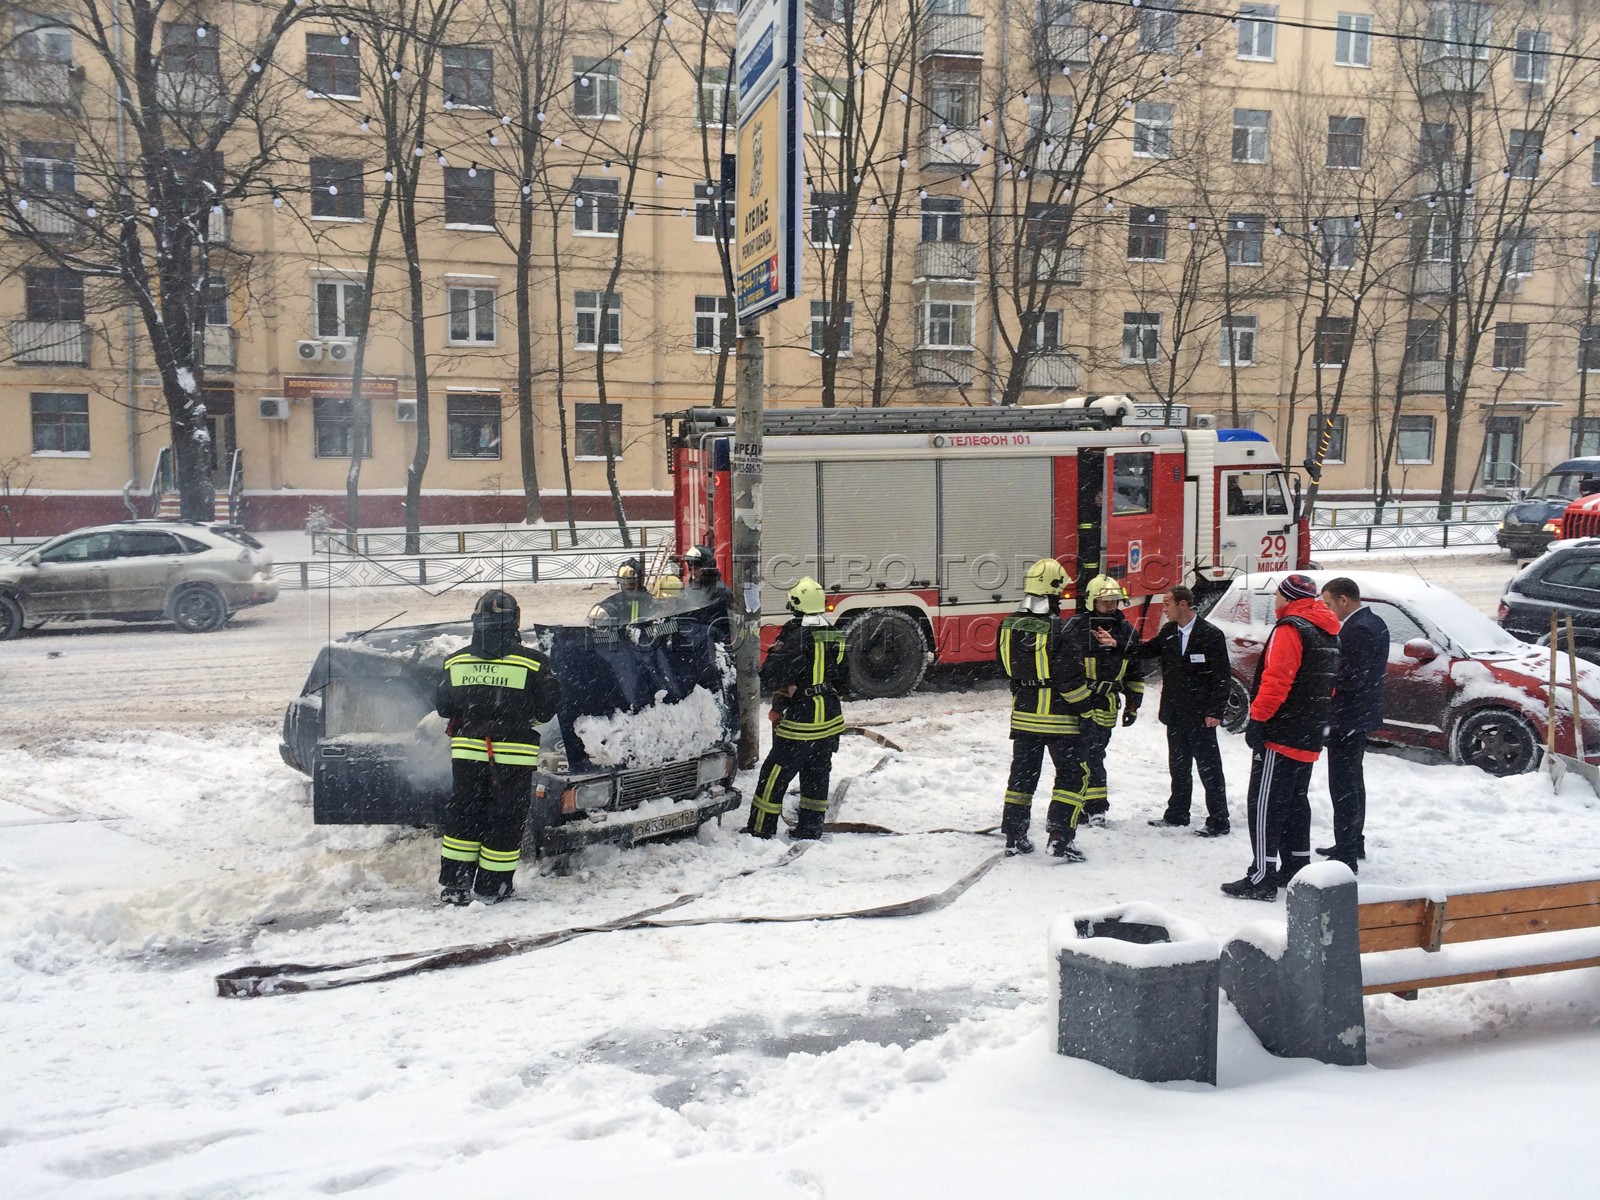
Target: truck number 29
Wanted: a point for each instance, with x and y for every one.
(1275, 545)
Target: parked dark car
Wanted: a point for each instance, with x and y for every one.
(1529, 525)
(192, 573)
(1565, 580)
(642, 745)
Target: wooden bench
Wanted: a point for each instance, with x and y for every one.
(1495, 932)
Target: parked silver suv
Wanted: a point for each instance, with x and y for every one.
(193, 574)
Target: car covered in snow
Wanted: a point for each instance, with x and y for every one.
(1530, 524)
(195, 574)
(642, 745)
(1457, 683)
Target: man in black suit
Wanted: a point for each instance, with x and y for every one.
(1357, 711)
(1194, 691)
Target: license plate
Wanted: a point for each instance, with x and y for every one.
(665, 823)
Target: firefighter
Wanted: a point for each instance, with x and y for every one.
(1047, 694)
(1114, 671)
(804, 669)
(495, 694)
(705, 589)
(630, 602)
(668, 590)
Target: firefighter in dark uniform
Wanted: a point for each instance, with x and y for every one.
(703, 588)
(495, 694)
(1113, 669)
(804, 669)
(630, 602)
(1047, 694)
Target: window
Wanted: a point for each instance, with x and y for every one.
(1257, 31)
(1510, 346)
(1255, 493)
(1250, 131)
(42, 38)
(336, 188)
(1591, 256)
(953, 95)
(592, 435)
(1589, 348)
(725, 6)
(1237, 346)
(151, 543)
(334, 429)
(1575, 573)
(1352, 40)
(340, 308)
(1422, 341)
(60, 422)
(1131, 476)
(1594, 163)
(1516, 252)
(1531, 63)
(714, 101)
(1245, 239)
(1331, 342)
(712, 327)
(1527, 148)
(1158, 27)
(1585, 436)
(473, 421)
(1457, 29)
(471, 315)
(827, 106)
(947, 324)
(1152, 130)
(1049, 122)
(92, 547)
(1047, 333)
(48, 167)
(1147, 234)
(828, 219)
(469, 197)
(333, 65)
(1436, 144)
(53, 294)
(596, 207)
(596, 88)
(1438, 239)
(1338, 243)
(1346, 142)
(214, 300)
(468, 77)
(1141, 337)
(184, 51)
(941, 219)
(1328, 433)
(1414, 440)
(1402, 628)
(705, 219)
(592, 328)
(821, 312)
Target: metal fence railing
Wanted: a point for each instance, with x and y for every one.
(436, 571)
(1418, 512)
(1419, 535)
(646, 535)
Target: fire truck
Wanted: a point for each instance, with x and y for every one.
(921, 522)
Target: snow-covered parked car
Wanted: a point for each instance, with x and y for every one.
(1457, 683)
(642, 745)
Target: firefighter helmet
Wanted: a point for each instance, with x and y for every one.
(669, 587)
(806, 598)
(698, 558)
(1103, 587)
(630, 575)
(498, 607)
(1045, 578)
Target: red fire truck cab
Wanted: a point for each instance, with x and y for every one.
(920, 523)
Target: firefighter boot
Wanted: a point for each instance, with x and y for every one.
(763, 822)
(456, 871)
(1060, 845)
(808, 823)
(1014, 824)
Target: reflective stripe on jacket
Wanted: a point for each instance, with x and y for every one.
(1047, 687)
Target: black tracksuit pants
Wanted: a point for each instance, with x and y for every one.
(483, 823)
(1347, 786)
(1280, 816)
(1191, 745)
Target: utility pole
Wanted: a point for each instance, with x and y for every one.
(746, 470)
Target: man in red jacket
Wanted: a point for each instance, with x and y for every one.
(1290, 707)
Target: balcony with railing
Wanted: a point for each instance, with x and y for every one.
(1062, 44)
(950, 147)
(941, 366)
(947, 260)
(1056, 265)
(190, 92)
(1427, 376)
(1441, 178)
(1431, 277)
(1062, 157)
(1454, 75)
(50, 343)
(219, 347)
(32, 81)
(1051, 369)
(958, 35)
(53, 216)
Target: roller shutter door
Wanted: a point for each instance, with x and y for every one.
(788, 529)
(878, 525)
(994, 520)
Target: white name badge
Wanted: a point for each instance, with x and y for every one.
(1197, 658)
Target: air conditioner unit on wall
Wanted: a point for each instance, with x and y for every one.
(273, 408)
(308, 351)
(406, 411)
(340, 349)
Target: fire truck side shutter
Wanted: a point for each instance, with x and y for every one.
(878, 524)
(994, 519)
(788, 529)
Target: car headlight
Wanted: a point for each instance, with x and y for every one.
(591, 794)
(714, 768)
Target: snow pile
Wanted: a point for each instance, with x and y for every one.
(665, 732)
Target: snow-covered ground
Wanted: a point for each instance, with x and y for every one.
(152, 839)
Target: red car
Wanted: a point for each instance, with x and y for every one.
(1457, 683)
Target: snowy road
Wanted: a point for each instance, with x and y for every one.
(152, 839)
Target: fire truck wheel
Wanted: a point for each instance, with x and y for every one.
(1236, 712)
(885, 653)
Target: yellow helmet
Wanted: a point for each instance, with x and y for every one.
(1103, 587)
(668, 586)
(806, 598)
(1045, 578)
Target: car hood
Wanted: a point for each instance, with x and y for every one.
(1528, 674)
(1535, 512)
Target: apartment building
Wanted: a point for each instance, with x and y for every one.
(1334, 222)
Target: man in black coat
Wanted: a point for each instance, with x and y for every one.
(1194, 693)
(1357, 711)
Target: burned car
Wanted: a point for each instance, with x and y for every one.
(641, 747)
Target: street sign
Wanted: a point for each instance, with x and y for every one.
(768, 166)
